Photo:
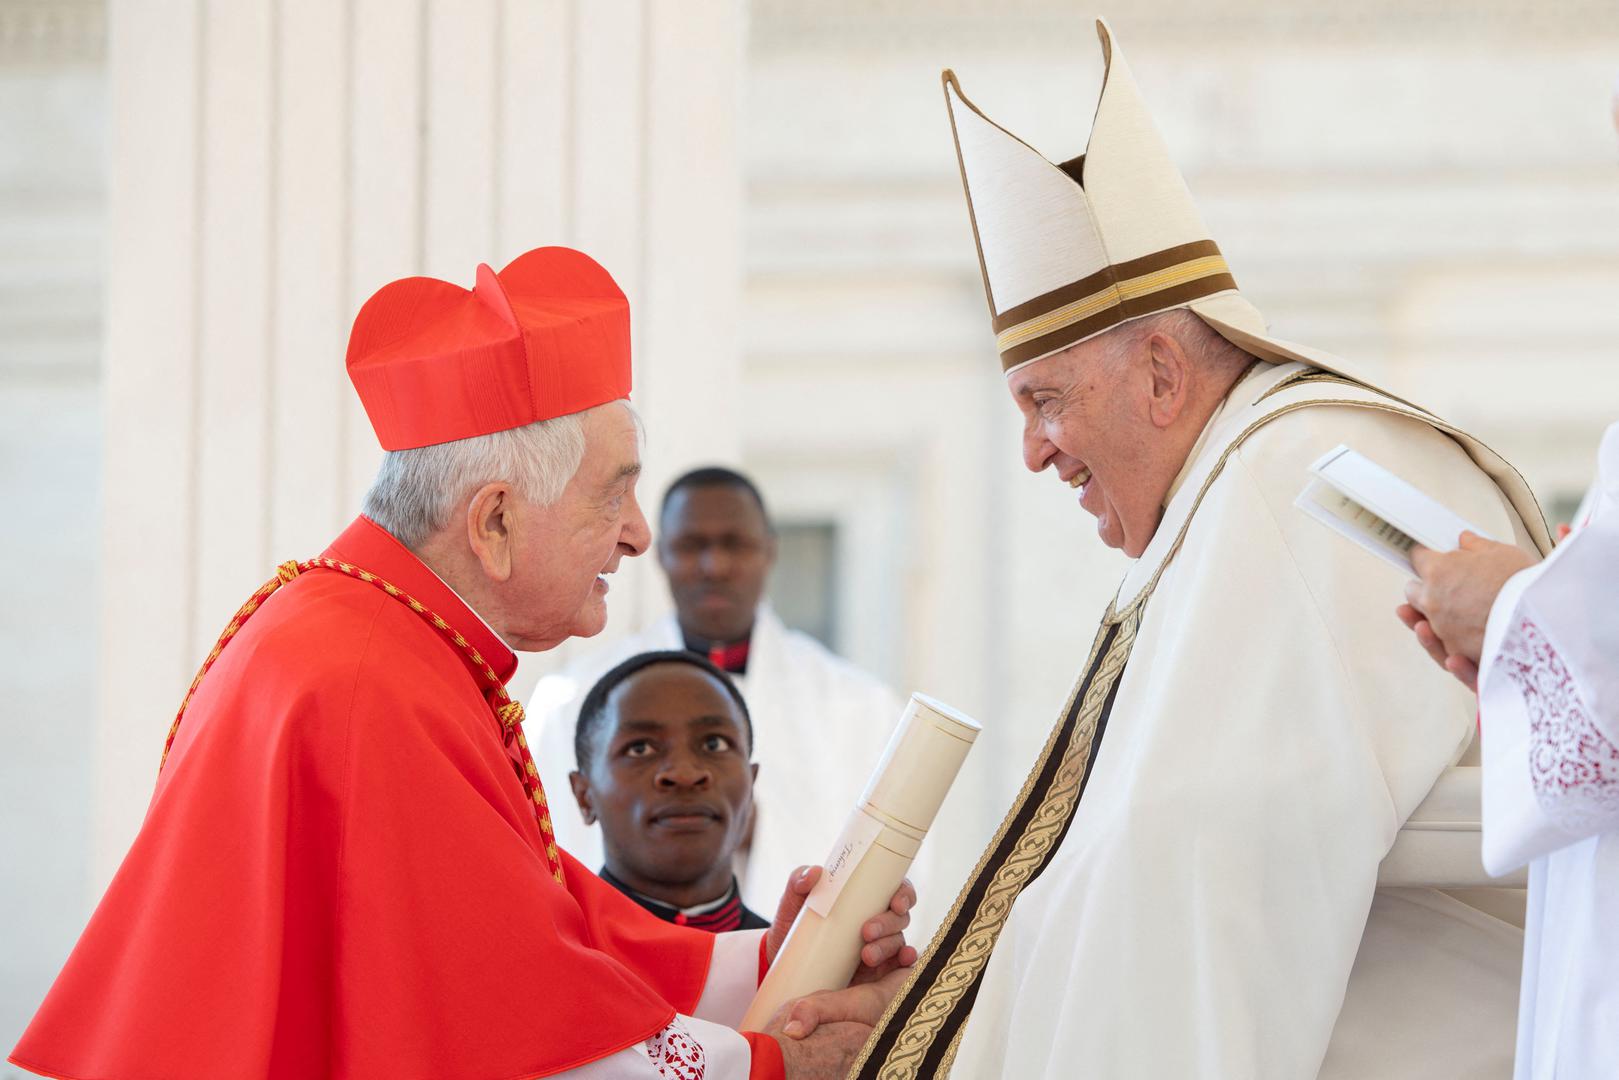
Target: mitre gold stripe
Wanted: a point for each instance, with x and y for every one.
(1114, 295)
(1037, 307)
(1108, 318)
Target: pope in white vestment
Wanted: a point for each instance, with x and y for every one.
(1188, 885)
(813, 714)
(1549, 704)
(1211, 911)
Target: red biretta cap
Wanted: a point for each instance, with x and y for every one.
(547, 336)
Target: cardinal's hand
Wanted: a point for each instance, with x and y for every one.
(884, 934)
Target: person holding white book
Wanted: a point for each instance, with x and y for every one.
(1540, 642)
(1187, 885)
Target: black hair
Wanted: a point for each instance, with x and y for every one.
(594, 708)
(714, 476)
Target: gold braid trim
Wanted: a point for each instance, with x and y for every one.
(283, 574)
(1055, 805)
(508, 713)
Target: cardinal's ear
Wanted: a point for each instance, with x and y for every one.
(490, 522)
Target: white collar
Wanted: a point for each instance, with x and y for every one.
(475, 613)
(1203, 437)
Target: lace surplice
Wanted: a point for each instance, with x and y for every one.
(1573, 764)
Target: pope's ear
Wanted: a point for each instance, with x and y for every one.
(581, 795)
(490, 519)
(1170, 370)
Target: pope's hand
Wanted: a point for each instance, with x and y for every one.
(821, 1034)
(1449, 606)
(884, 934)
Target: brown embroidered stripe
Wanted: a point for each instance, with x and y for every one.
(1118, 293)
(1108, 275)
(933, 1062)
(922, 1052)
(1130, 308)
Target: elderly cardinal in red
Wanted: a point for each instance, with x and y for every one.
(348, 868)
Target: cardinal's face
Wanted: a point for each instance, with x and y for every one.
(563, 553)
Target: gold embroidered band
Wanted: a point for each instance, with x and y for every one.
(919, 1033)
(1100, 301)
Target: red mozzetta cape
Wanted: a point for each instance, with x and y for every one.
(340, 874)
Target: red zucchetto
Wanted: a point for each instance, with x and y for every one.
(547, 336)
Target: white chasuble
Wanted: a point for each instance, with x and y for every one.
(819, 725)
(1209, 907)
(1549, 703)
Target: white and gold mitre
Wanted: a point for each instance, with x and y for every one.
(1070, 251)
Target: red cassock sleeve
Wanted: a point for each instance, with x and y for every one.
(341, 876)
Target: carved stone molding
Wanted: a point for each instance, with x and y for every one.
(53, 31)
(892, 25)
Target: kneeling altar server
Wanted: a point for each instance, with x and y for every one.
(348, 867)
(1187, 885)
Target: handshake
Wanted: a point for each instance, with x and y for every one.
(822, 933)
(821, 1034)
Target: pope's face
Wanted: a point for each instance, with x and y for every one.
(669, 779)
(562, 553)
(1085, 418)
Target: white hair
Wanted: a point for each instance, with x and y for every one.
(1202, 342)
(417, 490)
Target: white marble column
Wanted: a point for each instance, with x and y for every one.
(271, 165)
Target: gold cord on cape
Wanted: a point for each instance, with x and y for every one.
(508, 713)
(919, 1034)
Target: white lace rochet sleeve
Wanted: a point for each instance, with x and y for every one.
(1573, 765)
(685, 1049)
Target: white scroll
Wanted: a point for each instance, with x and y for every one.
(870, 856)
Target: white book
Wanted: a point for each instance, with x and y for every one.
(1358, 498)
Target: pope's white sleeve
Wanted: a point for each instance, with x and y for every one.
(733, 977)
(687, 1049)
